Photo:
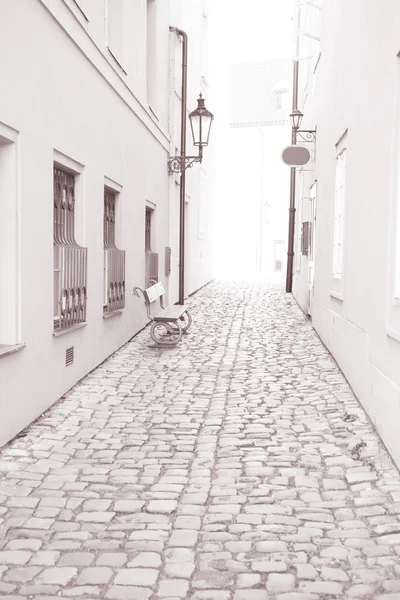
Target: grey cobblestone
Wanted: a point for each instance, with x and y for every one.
(218, 470)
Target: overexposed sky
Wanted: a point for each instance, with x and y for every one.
(258, 29)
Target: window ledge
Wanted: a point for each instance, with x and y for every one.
(6, 349)
(336, 295)
(85, 19)
(113, 314)
(116, 60)
(69, 330)
(393, 333)
(317, 63)
(153, 113)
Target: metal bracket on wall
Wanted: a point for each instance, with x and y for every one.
(176, 164)
(306, 135)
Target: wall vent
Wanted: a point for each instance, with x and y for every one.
(167, 261)
(305, 239)
(69, 356)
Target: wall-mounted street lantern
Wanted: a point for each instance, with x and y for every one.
(296, 117)
(306, 135)
(200, 122)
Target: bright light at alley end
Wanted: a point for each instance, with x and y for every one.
(200, 122)
(296, 118)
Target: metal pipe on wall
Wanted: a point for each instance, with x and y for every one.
(292, 208)
(292, 202)
(182, 196)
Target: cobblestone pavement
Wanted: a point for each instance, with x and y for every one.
(237, 466)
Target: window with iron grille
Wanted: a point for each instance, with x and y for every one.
(114, 258)
(70, 259)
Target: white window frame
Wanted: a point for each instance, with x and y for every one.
(339, 218)
(114, 188)
(311, 19)
(10, 241)
(68, 164)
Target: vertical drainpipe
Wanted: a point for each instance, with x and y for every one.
(182, 196)
(292, 208)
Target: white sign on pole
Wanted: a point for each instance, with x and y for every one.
(296, 156)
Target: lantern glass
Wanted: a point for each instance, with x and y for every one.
(200, 122)
(206, 128)
(296, 118)
(195, 123)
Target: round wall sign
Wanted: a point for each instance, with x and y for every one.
(296, 156)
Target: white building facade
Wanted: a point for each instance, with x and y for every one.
(89, 113)
(347, 271)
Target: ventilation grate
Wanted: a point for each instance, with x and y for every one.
(69, 356)
(167, 261)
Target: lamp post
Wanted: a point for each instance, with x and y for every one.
(200, 121)
(292, 207)
(305, 135)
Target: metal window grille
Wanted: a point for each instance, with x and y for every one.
(114, 260)
(70, 259)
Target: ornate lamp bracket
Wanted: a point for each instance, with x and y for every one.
(306, 135)
(176, 164)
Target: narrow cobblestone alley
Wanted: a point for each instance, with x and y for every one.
(237, 466)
